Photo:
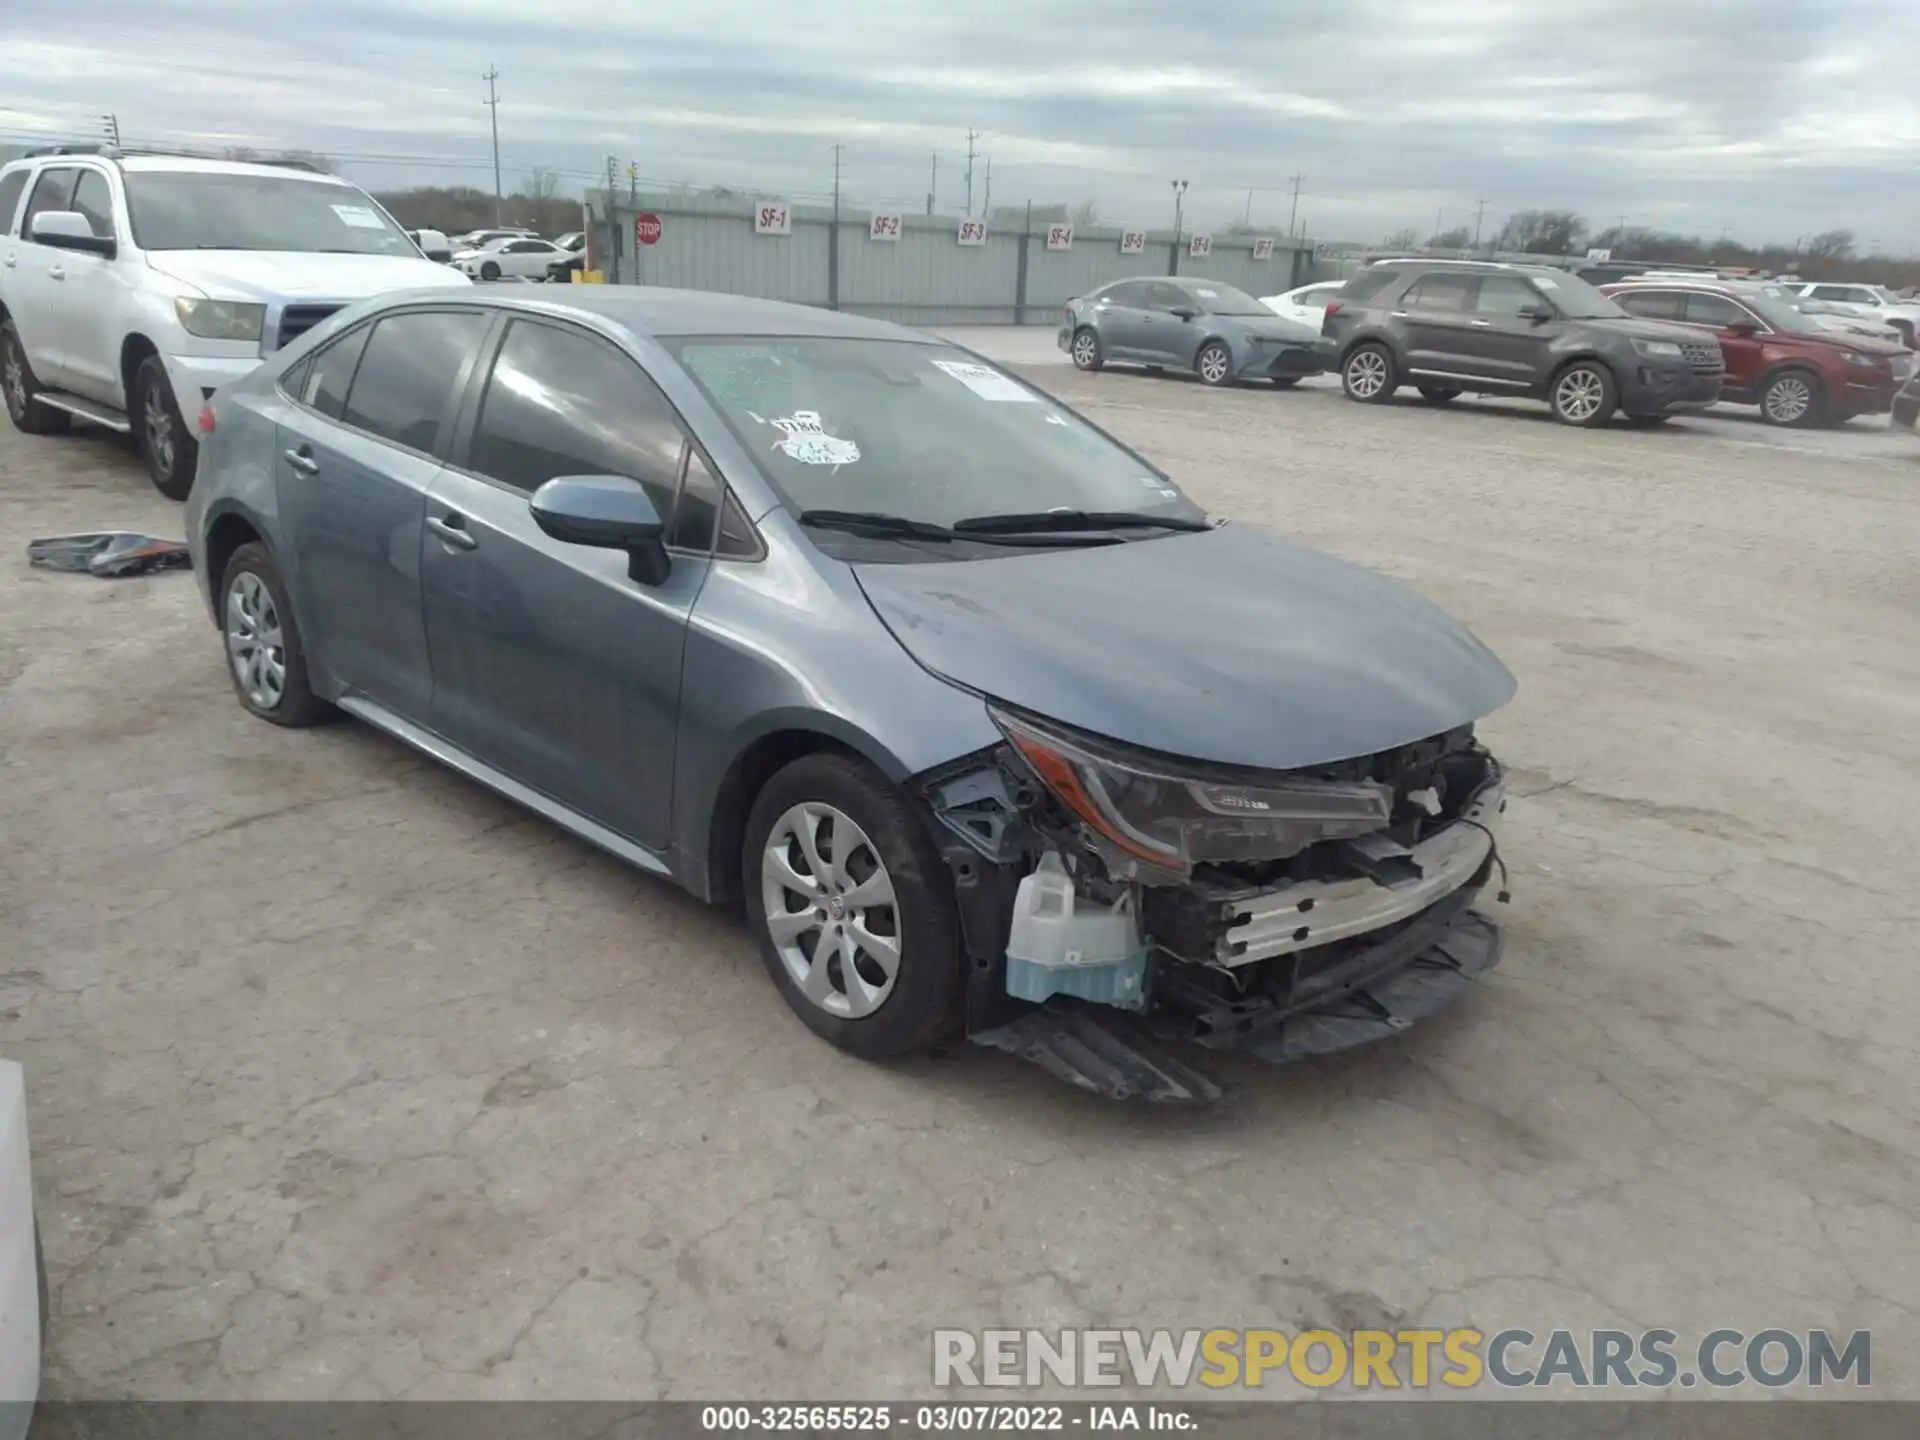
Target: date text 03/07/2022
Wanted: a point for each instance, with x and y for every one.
(944, 1419)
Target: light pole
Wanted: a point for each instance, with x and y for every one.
(1179, 193)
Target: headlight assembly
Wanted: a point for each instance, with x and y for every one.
(221, 319)
(1658, 349)
(1172, 822)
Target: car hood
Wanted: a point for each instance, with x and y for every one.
(1844, 339)
(1648, 329)
(1230, 645)
(1262, 327)
(268, 275)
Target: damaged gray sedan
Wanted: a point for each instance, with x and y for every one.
(989, 727)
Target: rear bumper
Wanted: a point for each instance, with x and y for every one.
(1669, 389)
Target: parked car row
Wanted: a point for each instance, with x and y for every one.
(1645, 349)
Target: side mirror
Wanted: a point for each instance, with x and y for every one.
(1538, 314)
(1183, 312)
(68, 230)
(608, 512)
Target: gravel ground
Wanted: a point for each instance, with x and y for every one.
(348, 1078)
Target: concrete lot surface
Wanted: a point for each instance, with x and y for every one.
(349, 1079)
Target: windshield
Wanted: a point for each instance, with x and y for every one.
(1884, 295)
(1780, 313)
(197, 210)
(1575, 298)
(925, 432)
(1225, 300)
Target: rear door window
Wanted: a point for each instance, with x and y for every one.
(1715, 311)
(404, 387)
(1650, 304)
(1165, 295)
(1132, 295)
(1443, 292)
(323, 380)
(1367, 283)
(12, 187)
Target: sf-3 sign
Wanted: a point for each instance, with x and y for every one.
(772, 217)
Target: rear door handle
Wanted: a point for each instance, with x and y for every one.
(303, 461)
(453, 530)
(56, 273)
(8, 261)
(1481, 324)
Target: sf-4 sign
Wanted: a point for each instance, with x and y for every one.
(973, 232)
(1263, 248)
(772, 217)
(1059, 237)
(1133, 242)
(884, 227)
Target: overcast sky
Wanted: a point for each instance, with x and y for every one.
(1770, 118)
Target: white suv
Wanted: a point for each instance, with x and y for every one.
(134, 286)
(1872, 302)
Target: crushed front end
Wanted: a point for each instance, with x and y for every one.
(1123, 909)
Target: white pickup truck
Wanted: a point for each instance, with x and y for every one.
(134, 286)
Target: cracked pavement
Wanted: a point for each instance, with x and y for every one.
(348, 1079)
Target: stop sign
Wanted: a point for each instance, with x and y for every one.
(646, 228)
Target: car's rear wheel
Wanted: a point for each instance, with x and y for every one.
(489, 271)
(22, 390)
(1793, 398)
(160, 434)
(1370, 375)
(1088, 353)
(265, 659)
(1214, 363)
(852, 908)
(1583, 394)
(1438, 395)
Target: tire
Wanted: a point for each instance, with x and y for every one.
(1087, 351)
(489, 271)
(881, 1016)
(249, 579)
(1370, 374)
(1285, 382)
(22, 390)
(1905, 329)
(1793, 398)
(1438, 395)
(159, 434)
(1583, 394)
(1214, 364)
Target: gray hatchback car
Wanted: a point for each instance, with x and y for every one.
(1221, 334)
(987, 725)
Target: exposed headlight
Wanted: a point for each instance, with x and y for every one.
(1658, 349)
(221, 319)
(1172, 822)
(1854, 357)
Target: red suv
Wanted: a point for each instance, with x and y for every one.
(1777, 358)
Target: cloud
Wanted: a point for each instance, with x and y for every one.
(1768, 117)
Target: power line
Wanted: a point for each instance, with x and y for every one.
(493, 107)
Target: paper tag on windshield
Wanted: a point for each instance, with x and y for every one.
(359, 217)
(987, 384)
(1544, 283)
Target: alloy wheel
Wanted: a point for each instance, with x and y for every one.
(1788, 399)
(1214, 363)
(14, 377)
(1085, 347)
(1580, 394)
(158, 423)
(255, 647)
(1367, 374)
(841, 945)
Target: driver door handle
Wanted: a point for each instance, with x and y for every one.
(453, 530)
(302, 461)
(56, 273)
(1481, 324)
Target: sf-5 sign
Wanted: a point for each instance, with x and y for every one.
(1133, 242)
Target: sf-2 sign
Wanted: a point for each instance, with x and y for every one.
(973, 232)
(1133, 242)
(647, 228)
(1059, 237)
(772, 217)
(884, 227)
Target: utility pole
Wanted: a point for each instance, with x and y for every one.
(613, 232)
(493, 105)
(633, 183)
(1294, 185)
(986, 200)
(972, 135)
(833, 236)
(837, 149)
(111, 124)
(1247, 218)
(933, 181)
(1439, 220)
(1179, 194)
(1479, 214)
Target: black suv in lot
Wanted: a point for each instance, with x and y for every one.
(1453, 327)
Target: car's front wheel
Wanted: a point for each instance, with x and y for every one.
(852, 908)
(1370, 375)
(265, 659)
(1583, 394)
(22, 390)
(489, 271)
(1214, 363)
(1087, 352)
(1792, 398)
(159, 432)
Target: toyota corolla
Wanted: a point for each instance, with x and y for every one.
(991, 729)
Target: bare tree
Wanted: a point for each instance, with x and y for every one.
(1458, 238)
(541, 184)
(1831, 245)
(1542, 232)
(1086, 215)
(1405, 238)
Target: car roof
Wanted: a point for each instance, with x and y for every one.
(192, 164)
(646, 310)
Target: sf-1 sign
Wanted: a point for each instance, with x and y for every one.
(772, 217)
(884, 227)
